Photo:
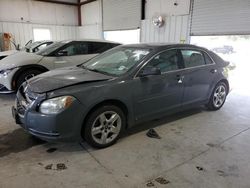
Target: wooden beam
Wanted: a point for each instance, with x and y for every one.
(67, 3)
(79, 13)
(59, 2)
(86, 2)
(143, 4)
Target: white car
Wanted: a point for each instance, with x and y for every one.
(19, 67)
(30, 47)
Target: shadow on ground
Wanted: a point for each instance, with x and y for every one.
(7, 97)
(17, 141)
(162, 121)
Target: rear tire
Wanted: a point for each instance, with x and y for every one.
(218, 96)
(104, 126)
(25, 75)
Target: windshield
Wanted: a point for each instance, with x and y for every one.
(30, 46)
(51, 48)
(117, 61)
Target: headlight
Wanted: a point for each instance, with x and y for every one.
(56, 105)
(6, 71)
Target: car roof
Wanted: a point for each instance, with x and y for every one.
(90, 40)
(42, 41)
(161, 46)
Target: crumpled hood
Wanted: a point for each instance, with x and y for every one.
(19, 59)
(60, 78)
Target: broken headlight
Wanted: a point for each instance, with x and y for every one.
(6, 71)
(56, 105)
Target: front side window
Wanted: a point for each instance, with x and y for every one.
(192, 58)
(51, 48)
(41, 46)
(165, 61)
(117, 61)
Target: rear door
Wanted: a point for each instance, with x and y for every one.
(100, 47)
(156, 95)
(79, 52)
(199, 73)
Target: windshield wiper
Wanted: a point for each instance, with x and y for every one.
(96, 70)
(82, 66)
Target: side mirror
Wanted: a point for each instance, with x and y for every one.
(18, 47)
(35, 50)
(62, 53)
(147, 71)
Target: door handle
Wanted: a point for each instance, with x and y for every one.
(180, 79)
(213, 71)
(60, 62)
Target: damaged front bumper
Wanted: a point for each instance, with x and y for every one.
(6, 81)
(48, 127)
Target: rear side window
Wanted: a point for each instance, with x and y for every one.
(192, 58)
(208, 59)
(99, 47)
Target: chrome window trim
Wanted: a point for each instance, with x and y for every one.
(180, 69)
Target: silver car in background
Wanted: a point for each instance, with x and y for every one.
(19, 67)
(30, 47)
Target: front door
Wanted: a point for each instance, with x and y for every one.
(157, 95)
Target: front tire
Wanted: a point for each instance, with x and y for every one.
(218, 97)
(25, 75)
(104, 126)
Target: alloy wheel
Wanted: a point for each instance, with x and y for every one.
(29, 76)
(219, 97)
(106, 127)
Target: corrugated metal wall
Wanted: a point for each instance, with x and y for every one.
(23, 32)
(121, 15)
(175, 29)
(91, 21)
(92, 31)
(221, 17)
(176, 16)
(36, 12)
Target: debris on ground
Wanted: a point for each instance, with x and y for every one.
(51, 150)
(61, 166)
(150, 184)
(199, 168)
(48, 167)
(221, 173)
(162, 180)
(153, 134)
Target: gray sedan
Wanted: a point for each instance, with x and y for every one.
(120, 88)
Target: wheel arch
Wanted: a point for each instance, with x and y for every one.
(227, 84)
(114, 102)
(23, 69)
